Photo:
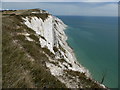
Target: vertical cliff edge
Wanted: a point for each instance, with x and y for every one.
(36, 54)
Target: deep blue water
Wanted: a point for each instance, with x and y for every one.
(95, 43)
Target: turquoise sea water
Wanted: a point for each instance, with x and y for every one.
(95, 43)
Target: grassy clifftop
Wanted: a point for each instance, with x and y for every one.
(28, 12)
(24, 61)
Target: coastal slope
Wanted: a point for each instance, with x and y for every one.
(36, 54)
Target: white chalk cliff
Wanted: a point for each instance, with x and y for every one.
(52, 36)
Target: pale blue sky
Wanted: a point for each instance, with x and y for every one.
(60, 0)
(69, 8)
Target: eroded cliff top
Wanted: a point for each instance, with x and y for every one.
(26, 12)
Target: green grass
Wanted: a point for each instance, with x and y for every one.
(23, 62)
(34, 37)
(42, 16)
(19, 71)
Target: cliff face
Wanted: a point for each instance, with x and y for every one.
(41, 38)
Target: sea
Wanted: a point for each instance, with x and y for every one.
(94, 40)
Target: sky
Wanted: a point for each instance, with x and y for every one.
(60, 0)
(81, 8)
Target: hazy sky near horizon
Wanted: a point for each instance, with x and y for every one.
(69, 8)
(60, 0)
